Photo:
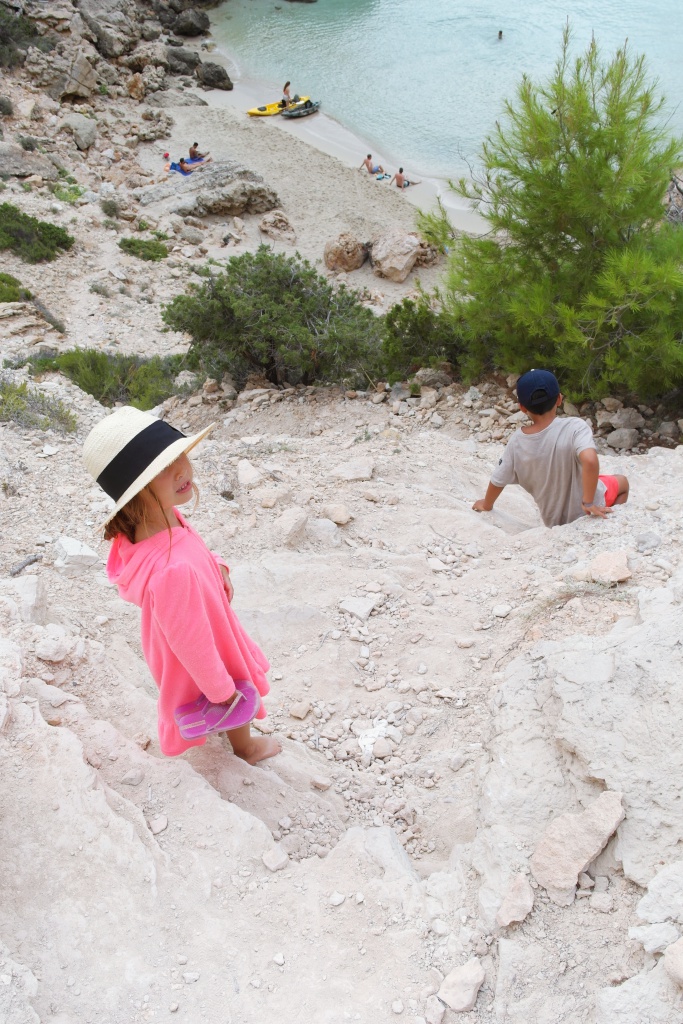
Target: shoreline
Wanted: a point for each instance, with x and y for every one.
(328, 135)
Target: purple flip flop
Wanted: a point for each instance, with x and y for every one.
(202, 717)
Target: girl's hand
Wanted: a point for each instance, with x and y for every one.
(229, 590)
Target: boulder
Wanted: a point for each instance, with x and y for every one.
(276, 225)
(393, 254)
(136, 87)
(83, 129)
(155, 54)
(610, 567)
(571, 842)
(357, 469)
(324, 532)
(431, 377)
(623, 438)
(191, 23)
(17, 163)
(345, 253)
(180, 61)
(222, 187)
(673, 962)
(291, 526)
(115, 25)
(627, 417)
(214, 76)
(460, 988)
(63, 75)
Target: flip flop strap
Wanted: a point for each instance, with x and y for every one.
(229, 708)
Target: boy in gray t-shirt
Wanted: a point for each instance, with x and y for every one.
(553, 459)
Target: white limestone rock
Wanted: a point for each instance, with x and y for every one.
(356, 469)
(518, 902)
(460, 987)
(73, 557)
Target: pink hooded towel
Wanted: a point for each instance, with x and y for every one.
(192, 639)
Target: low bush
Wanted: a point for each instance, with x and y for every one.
(35, 241)
(6, 106)
(12, 290)
(110, 207)
(99, 288)
(16, 35)
(112, 378)
(30, 408)
(416, 335)
(28, 143)
(275, 315)
(68, 193)
(144, 249)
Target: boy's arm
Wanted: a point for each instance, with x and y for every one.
(486, 503)
(590, 471)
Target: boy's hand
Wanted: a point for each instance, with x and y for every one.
(596, 510)
(229, 589)
(482, 506)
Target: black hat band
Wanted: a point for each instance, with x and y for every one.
(133, 459)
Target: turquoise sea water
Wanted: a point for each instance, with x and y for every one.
(424, 80)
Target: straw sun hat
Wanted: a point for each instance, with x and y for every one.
(125, 451)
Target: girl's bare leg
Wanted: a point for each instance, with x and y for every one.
(252, 748)
(622, 496)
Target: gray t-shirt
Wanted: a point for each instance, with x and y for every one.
(547, 466)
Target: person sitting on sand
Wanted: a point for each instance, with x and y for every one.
(401, 180)
(195, 154)
(370, 167)
(286, 95)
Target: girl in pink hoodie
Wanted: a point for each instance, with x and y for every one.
(192, 640)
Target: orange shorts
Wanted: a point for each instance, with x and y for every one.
(611, 489)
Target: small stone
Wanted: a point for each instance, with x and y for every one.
(300, 710)
(321, 782)
(571, 842)
(460, 987)
(602, 902)
(291, 526)
(190, 977)
(248, 475)
(255, 982)
(382, 748)
(673, 962)
(133, 777)
(275, 859)
(279, 959)
(359, 607)
(518, 902)
(623, 438)
(52, 649)
(336, 899)
(73, 557)
(422, 669)
(610, 567)
(356, 469)
(397, 1006)
(501, 611)
(434, 1010)
(464, 643)
(158, 824)
(338, 513)
(174, 1007)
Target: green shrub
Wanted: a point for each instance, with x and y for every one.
(275, 315)
(16, 35)
(576, 272)
(161, 236)
(102, 89)
(69, 193)
(110, 207)
(35, 241)
(99, 288)
(30, 408)
(142, 225)
(144, 249)
(416, 335)
(28, 143)
(109, 224)
(6, 106)
(113, 377)
(12, 290)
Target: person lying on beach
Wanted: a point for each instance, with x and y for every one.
(187, 168)
(370, 167)
(401, 180)
(195, 154)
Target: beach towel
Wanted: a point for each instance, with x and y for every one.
(178, 168)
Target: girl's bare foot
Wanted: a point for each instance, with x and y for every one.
(258, 749)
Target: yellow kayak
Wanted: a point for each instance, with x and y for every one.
(269, 109)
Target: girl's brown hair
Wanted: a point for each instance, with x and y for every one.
(134, 513)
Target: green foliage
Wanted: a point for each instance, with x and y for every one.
(102, 89)
(416, 335)
(16, 35)
(35, 241)
(161, 236)
(110, 207)
(110, 225)
(142, 225)
(12, 290)
(29, 408)
(99, 288)
(112, 378)
(273, 314)
(69, 193)
(6, 106)
(577, 272)
(28, 143)
(144, 249)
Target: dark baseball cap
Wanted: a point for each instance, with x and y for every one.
(537, 387)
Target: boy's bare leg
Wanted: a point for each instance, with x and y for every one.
(622, 494)
(252, 748)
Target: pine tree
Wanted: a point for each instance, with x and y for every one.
(578, 273)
